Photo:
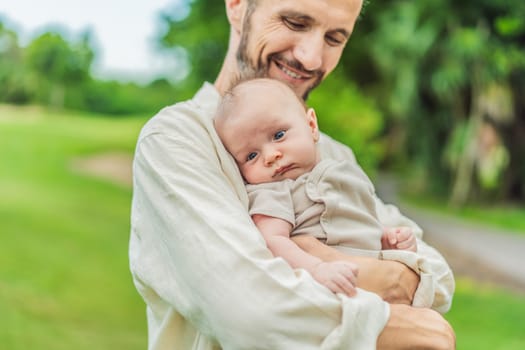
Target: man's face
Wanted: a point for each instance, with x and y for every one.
(297, 42)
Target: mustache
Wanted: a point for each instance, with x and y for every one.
(295, 65)
(316, 74)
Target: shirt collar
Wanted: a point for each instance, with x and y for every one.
(207, 98)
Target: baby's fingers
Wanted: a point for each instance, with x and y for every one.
(409, 244)
(347, 285)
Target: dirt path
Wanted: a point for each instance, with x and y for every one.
(112, 166)
(485, 254)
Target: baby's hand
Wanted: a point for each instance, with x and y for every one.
(338, 276)
(399, 238)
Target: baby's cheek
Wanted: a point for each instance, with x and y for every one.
(250, 174)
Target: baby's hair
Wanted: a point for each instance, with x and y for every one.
(230, 95)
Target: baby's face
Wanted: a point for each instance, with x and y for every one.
(270, 134)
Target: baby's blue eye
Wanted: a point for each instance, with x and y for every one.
(279, 134)
(251, 156)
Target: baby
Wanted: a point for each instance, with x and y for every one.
(273, 138)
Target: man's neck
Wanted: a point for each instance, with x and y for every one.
(229, 69)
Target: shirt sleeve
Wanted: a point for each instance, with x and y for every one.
(195, 250)
(437, 284)
(272, 199)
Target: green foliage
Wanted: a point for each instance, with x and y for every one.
(12, 74)
(118, 98)
(203, 34)
(57, 65)
(349, 117)
(65, 281)
(430, 65)
(56, 72)
(401, 37)
(457, 144)
(426, 64)
(53, 57)
(510, 25)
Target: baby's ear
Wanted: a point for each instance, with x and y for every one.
(312, 123)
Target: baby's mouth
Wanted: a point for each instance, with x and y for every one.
(282, 170)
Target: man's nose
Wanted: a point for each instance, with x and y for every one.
(309, 51)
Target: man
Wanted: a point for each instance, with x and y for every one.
(197, 259)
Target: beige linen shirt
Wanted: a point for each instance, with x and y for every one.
(201, 266)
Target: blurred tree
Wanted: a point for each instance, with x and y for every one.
(58, 65)
(12, 74)
(350, 117)
(200, 36)
(117, 98)
(445, 71)
(54, 71)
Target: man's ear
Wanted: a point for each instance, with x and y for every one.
(312, 123)
(235, 11)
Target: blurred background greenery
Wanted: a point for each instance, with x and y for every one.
(432, 91)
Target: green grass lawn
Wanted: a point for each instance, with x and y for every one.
(64, 277)
(485, 317)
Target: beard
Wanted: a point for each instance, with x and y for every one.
(247, 69)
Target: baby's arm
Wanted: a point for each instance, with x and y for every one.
(338, 276)
(399, 238)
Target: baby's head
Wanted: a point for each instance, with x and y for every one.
(269, 131)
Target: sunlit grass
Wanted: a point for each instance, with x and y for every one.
(485, 317)
(64, 277)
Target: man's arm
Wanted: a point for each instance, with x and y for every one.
(394, 282)
(416, 329)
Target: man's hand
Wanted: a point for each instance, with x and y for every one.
(399, 238)
(391, 280)
(416, 329)
(338, 276)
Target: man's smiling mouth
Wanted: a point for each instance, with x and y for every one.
(291, 73)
